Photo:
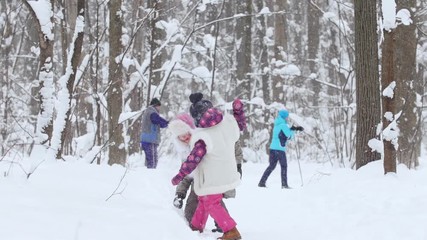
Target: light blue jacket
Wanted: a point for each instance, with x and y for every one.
(280, 124)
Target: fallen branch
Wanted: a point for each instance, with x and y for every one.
(115, 192)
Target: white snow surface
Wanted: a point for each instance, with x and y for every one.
(67, 201)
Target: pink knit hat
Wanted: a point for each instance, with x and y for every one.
(185, 117)
(182, 124)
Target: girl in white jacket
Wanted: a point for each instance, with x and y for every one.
(213, 161)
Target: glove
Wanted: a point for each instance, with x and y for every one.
(178, 200)
(239, 169)
(297, 128)
(177, 179)
(237, 105)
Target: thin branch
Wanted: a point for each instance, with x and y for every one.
(118, 186)
(334, 23)
(236, 17)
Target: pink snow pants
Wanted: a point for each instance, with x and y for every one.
(210, 205)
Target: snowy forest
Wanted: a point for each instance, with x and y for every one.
(76, 75)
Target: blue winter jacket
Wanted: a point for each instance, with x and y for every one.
(151, 124)
(281, 133)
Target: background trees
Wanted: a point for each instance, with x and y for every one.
(315, 58)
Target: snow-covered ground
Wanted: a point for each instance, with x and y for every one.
(68, 201)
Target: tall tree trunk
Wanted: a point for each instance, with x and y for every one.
(5, 82)
(244, 49)
(407, 89)
(158, 55)
(71, 72)
(297, 41)
(388, 101)
(64, 36)
(280, 46)
(262, 50)
(135, 97)
(46, 78)
(313, 27)
(243, 55)
(367, 80)
(117, 153)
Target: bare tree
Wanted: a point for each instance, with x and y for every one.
(46, 77)
(243, 49)
(388, 100)
(117, 153)
(135, 97)
(313, 39)
(407, 88)
(5, 81)
(367, 80)
(71, 72)
(157, 54)
(280, 45)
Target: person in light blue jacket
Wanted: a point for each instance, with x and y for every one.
(281, 134)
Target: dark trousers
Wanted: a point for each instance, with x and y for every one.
(276, 156)
(150, 150)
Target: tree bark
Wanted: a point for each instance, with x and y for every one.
(367, 80)
(116, 153)
(313, 26)
(46, 80)
(66, 133)
(157, 55)
(280, 46)
(244, 49)
(388, 102)
(135, 97)
(407, 89)
(5, 82)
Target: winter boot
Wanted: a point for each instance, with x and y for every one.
(286, 186)
(233, 234)
(217, 228)
(261, 184)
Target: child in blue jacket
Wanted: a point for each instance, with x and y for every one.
(281, 133)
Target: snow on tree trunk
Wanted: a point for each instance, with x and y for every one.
(62, 126)
(389, 102)
(42, 12)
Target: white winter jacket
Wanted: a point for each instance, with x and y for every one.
(217, 171)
